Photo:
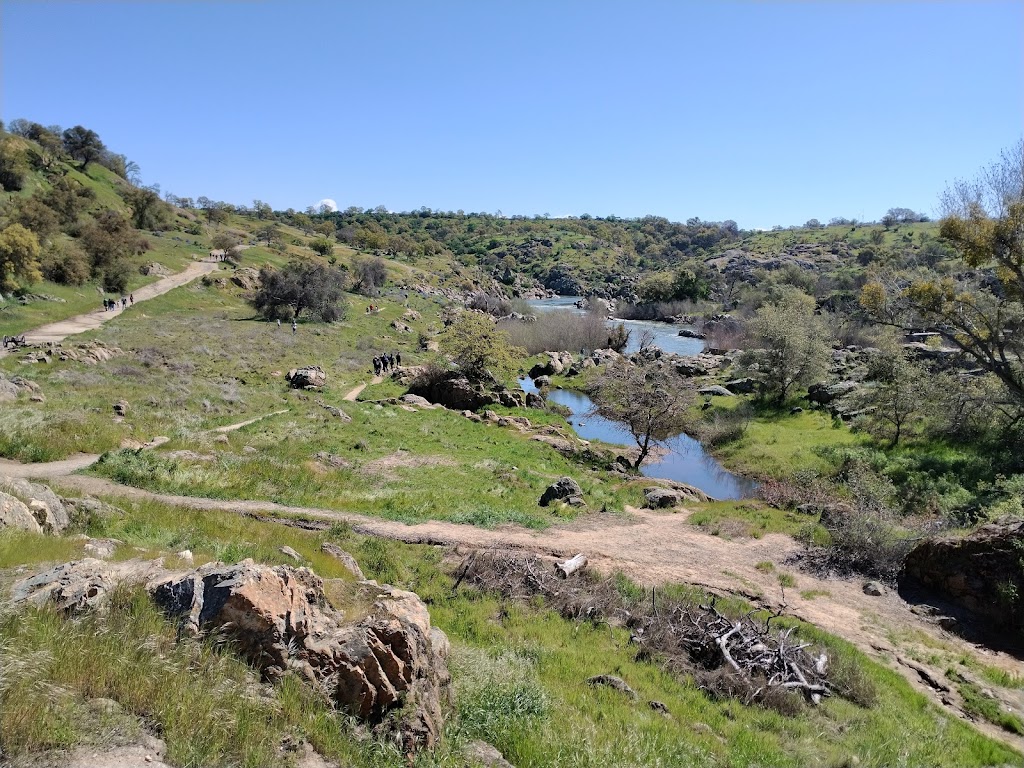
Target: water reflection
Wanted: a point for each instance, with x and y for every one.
(685, 462)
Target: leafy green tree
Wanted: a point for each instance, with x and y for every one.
(899, 396)
(108, 240)
(792, 345)
(65, 263)
(19, 258)
(323, 246)
(68, 199)
(301, 287)
(477, 348)
(83, 145)
(651, 403)
(13, 163)
(147, 209)
(982, 316)
(33, 214)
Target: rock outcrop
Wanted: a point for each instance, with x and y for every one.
(982, 572)
(308, 377)
(564, 489)
(43, 506)
(384, 664)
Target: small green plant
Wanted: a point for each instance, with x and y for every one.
(787, 580)
(765, 566)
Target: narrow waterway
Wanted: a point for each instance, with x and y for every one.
(685, 462)
(666, 335)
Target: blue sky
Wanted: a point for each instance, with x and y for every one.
(762, 112)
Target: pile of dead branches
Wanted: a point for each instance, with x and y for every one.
(743, 656)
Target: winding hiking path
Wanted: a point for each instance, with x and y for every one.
(653, 548)
(54, 332)
(354, 393)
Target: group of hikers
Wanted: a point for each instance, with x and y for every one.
(385, 362)
(110, 305)
(372, 308)
(14, 341)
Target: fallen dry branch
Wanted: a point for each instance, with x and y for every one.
(742, 656)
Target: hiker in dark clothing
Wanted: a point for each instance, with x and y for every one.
(376, 367)
(384, 363)
(398, 358)
(391, 360)
(131, 299)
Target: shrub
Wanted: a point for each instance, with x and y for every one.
(564, 331)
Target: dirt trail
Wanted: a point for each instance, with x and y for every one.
(653, 548)
(351, 396)
(54, 332)
(239, 425)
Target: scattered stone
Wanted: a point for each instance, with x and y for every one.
(795, 410)
(483, 754)
(102, 548)
(564, 489)
(542, 381)
(37, 399)
(613, 682)
(121, 408)
(333, 460)
(741, 386)
(308, 377)
(246, 278)
(344, 557)
(690, 333)
(400, 326)
(286, 550)
(419, 402)
(715, 390)
(186, 556)
(221, 439)
(658, 706)
(335, 411)
(154, 269)
(533, 400)
(874, 589)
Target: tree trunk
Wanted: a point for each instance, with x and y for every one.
(570, 566)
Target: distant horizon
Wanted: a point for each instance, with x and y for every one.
(764, 113)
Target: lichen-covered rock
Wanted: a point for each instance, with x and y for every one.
(564, 489)
(14, 514)
(385, 664)
(344, 558)
(43, 504)
(307, 377)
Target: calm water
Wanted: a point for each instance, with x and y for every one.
(686, 461)
(665, 335)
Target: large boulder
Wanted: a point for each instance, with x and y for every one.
(455, 392)
(246, 278)
(550, 367)
(384, 664)
(982, 572)
(44, 505)
(564, 489)
(308, 377)
(827, 393)
(14, 514)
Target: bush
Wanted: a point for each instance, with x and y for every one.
(561, 331)
(66, 264)
(115, 276)
(492, 305)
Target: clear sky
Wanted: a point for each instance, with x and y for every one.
(762, 112)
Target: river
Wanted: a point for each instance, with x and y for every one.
(666, 335)
(685, 462)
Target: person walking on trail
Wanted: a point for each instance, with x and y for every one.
(295, 327)
(131, 299)
(376, 367)
(398, 358)
(279, 323)
(391, 360)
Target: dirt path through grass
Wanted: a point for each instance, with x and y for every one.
(351, 396)
(653, 548)
(54, 332)
(239, 425)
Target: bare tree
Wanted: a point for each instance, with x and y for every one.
(651, 401)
